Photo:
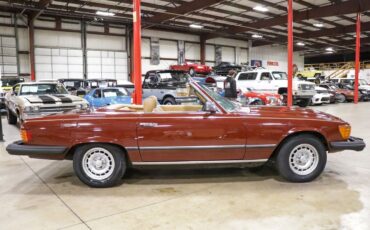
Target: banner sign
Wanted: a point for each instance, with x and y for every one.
(154, 51)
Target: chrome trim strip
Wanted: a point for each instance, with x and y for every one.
(192, 147)
(199, 162)
(260, 146)
(200, 147)
(132, 148)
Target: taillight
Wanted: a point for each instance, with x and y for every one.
(25, 135)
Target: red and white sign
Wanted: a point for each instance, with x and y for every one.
(272, 63)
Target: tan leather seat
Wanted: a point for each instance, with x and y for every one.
(149, 104)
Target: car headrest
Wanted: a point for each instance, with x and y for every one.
(149, 104)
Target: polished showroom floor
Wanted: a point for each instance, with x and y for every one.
(42, 194)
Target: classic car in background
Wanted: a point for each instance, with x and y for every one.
(6, 85)
(100, 97)
(34, 99)
(341, 95)
(96, 83)
(192, 68)
(126, 84)
(265, 98)
(263, 80)
(363, 95)
(224, 67)
(216, 82)
(322, 96)
(74, 86)
(311, 74)
(169, 86)
(214, 130)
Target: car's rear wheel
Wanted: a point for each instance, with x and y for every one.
(12, 119)
(301, 158)
(99, 165)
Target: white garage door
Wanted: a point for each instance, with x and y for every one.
(55, 63)
(106, 65)
(8, 56)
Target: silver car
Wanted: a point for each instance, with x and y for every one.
(35, 99)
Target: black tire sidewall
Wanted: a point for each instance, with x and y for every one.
(169, 99)
(12, 119)
(282, 159)
(119, 170)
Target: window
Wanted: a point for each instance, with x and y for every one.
(97, 93)
(247, 76)
(266, 76)
(43, 89)
(115, 92)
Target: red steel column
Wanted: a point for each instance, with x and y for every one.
(290, 52)
(357, 60)
(137, 52)
(202, 50)
(31, 34)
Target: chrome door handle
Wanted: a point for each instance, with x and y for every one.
(148, 124)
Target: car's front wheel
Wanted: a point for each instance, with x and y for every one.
(99, 165)
(301, 158)
(304, 102)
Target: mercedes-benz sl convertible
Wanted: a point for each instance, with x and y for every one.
(212, 130)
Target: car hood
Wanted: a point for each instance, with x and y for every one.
(51, 99)
(291, 113)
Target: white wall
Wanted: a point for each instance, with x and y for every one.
(276, 54)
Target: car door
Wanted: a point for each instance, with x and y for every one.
(266, 83)
(194, 136)
(98, 100)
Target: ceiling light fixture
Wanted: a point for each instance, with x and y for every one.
(319, 25)
(196, 26)
(260, 8)
(105, 13)
(300, 44)
(257, 36)
(329, 49)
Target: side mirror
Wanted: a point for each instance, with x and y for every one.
(210, 107)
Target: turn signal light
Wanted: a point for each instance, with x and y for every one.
(345, 131)
(25, 135)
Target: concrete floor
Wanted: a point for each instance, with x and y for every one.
(42, 194)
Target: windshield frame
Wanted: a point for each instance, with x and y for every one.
(56, 85)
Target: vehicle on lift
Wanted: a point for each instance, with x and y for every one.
(75, 86)
(169, 86)
(311, 74)
(322, 96)
(192, 68)
(35, 99)
(104, 143)
(341, 95)
(6, 85)
(101, 97)
(224, 67)
(263, 80)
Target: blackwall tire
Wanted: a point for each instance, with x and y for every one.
(99, 165)
(304, 103)
(169, 101)
(12, 119)
(301, 158)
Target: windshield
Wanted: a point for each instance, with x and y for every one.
(280, 75)
(40, 89)
(225, 103)
(115, 92)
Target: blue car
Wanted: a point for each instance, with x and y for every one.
(100, 97)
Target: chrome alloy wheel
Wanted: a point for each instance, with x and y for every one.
(98, 163)
(303, 159)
